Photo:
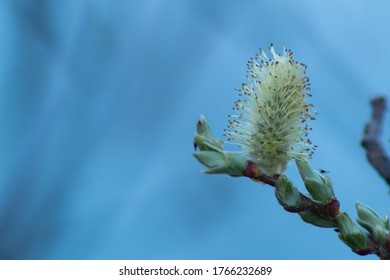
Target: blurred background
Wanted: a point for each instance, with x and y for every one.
(98, 104)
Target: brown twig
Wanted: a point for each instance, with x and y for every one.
(375, 152)
(330, 210)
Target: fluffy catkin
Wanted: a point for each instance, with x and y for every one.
(271, 120)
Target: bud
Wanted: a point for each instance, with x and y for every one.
(373, 223)
(212, 155)
(204, 139)
(270, 124)
(317, 190)
(351, 234)
(287, 195)
(318, 185)
(222, 162)
(317, 219)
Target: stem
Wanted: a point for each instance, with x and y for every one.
(330, 210)
(375, 152)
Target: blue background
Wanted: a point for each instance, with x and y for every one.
(98, 104)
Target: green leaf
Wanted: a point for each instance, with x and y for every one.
(316, 219)
(318, 190)
(351, 234)
(204, 139)
(229, 163)
(317, 184)
(212, 155)
(373, 223)
(287, 195)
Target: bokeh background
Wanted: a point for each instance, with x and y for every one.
(98, 104)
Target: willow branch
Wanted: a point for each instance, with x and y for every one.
(330, 210)
(375, 152)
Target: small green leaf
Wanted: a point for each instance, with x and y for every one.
(351, 234)
(229, 163)
(287, 195)
(308, 172)
(316, 219)
(373, 223)
(212, 155)
(317, 184)
(318, 190)
(204, 138)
